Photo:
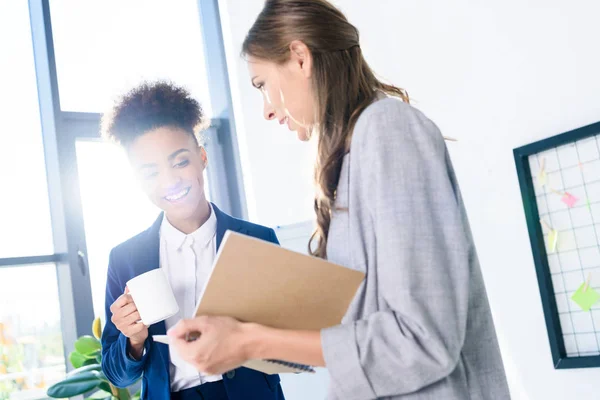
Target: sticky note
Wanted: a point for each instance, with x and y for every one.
(569, 199)
(552, 240)
(586, 299)
(542, 178)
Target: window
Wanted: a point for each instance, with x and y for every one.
(102, 48)
(114, 208)
(106, 47)
(31, 347)
(31, 344)
(25, 229)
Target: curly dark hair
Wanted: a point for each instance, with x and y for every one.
(152, 105)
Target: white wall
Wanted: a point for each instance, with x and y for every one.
(495, 75)
(278, 168)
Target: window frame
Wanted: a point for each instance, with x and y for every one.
(61, 130)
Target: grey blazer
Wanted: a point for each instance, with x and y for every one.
(420, 325)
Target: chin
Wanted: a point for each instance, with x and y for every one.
(175, 214)
(303, 135)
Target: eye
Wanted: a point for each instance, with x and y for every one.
(182, 164)
(151, 175)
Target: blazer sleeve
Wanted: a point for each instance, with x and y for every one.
(400, 162)
(120, 369)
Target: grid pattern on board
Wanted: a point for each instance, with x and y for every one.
(572, 169)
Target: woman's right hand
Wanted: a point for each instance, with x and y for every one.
(125, 316)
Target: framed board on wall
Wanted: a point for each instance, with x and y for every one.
(559, 179)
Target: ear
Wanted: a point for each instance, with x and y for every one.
(204, 156)
(301, 56)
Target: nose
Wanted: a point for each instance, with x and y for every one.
(170, 181)
(269, 112)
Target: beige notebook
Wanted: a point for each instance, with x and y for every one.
(257, 281)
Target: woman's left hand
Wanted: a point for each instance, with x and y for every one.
(220, 347)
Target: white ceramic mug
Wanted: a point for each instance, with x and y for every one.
(153, 296)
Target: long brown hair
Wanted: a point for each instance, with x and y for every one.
(343, 85)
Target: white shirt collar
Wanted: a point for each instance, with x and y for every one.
(201, 236)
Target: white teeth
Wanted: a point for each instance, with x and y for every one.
(178, 195)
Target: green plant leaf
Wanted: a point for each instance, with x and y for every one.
(101, 394)
(91, 367)
(75, 385)
(77, 359)
(90, 361)
(137, 395)
(105, 385)
(99, 358)
(94, 356)
(87, 345)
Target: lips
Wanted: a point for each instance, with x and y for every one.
(177, 196)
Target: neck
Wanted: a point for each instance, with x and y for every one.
(192, 223)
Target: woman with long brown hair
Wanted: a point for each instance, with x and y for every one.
(388, 204)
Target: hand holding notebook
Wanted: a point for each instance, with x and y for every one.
(259, 282)
(266, 366)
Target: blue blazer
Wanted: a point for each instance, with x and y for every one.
(141, 254)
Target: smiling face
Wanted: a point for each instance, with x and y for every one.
(170, 165)
(286, 89)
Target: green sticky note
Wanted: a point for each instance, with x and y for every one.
(586, 299)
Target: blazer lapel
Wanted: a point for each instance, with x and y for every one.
(226, 223)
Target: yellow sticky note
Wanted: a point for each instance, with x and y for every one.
(542, 178)
(552, 240)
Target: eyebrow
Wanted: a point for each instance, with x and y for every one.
(176, 153)
(147, 166)
(170, 158)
